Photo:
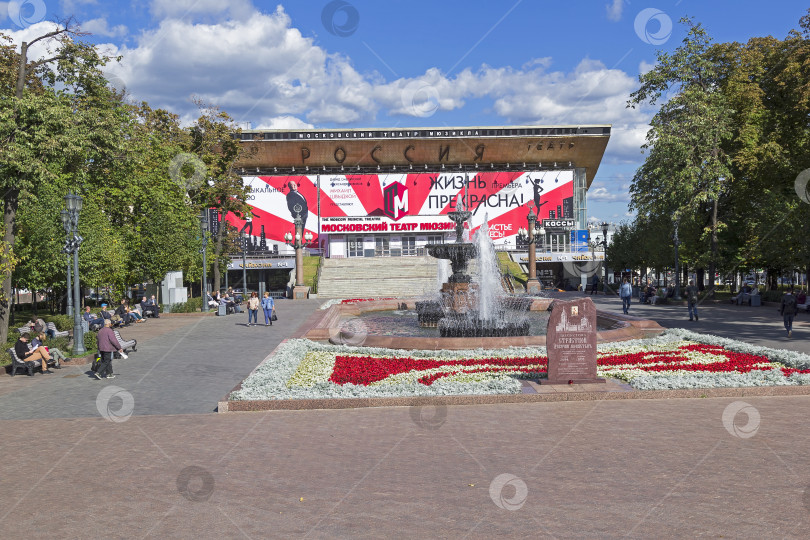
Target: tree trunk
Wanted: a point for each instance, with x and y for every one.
(11, 200)
(9, 217)
(713, 259)
(699, 275)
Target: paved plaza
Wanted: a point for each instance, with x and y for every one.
(613, 469)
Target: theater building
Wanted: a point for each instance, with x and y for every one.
(385, 192)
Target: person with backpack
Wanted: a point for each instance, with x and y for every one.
(107, 345)
(626, 293)
(253, 308)
(692, 299)
(788, 308)
(269, 308)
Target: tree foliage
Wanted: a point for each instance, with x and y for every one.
(725, 148)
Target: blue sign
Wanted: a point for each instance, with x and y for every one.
(579, 240)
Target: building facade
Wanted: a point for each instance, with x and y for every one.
(385, 193)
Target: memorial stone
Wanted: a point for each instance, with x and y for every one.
(571, 343)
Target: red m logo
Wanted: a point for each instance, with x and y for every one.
(395, 201)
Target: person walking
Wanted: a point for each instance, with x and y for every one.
(269, 308)
(626, 293)
(692, 299)
(788, 309)
(595, 284)
(253, 308)
(107, 345)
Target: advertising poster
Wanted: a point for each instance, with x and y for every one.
(414, 202)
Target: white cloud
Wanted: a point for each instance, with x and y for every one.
(644, 67)
(601, 194)
(283, 122)
(614, 10)
(3, 11)
(100, 27)
(261, 69)
(40, 49)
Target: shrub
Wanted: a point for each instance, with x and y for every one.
(62, 322)
(191, 306)
(772, 296)
(90, 342)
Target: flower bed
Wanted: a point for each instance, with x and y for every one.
(303, 369)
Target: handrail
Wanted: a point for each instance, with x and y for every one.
(318, 274)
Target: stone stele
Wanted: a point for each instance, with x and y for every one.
(571, 343)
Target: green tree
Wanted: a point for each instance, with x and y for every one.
(215, 141)
(40, 124)
(686, 170)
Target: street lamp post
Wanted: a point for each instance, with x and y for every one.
(244, 264)
(203, 250)
(299, 242)
(66, 225)
(532, 283)
(70, 220)
(677, 268)
(605, 226)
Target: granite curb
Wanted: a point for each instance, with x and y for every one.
(490, 399)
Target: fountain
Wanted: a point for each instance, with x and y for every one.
(469, 309)
(476, 309)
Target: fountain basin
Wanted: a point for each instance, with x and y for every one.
(328, 323)
(454, 326)
(458, 254)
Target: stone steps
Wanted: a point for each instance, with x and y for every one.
(366, 277)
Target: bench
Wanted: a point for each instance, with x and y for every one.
(56, 332)
(126, 343)
(16, 363)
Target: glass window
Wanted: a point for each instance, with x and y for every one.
(408, 246)
(354, 246)
(382, 247)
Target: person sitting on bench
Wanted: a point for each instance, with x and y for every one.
(229, 304)
(94, 322)
(26, 354)
(56, 354)
(134, 315)
(148, 309)
(122, 312)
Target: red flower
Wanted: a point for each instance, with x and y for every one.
(365, 370)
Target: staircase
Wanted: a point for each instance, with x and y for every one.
(377, 277)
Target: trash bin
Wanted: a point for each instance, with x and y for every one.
(221, 310)
(756, 300)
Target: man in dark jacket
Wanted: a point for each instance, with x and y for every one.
(297, 203)
(788, 309)
(107, 345)
(692, 299)
(24, 353)
(93, 323)
(122, 312)
(149, 309)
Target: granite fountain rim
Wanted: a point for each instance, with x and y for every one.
(327, 323)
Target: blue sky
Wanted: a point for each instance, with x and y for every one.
(363, 63)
